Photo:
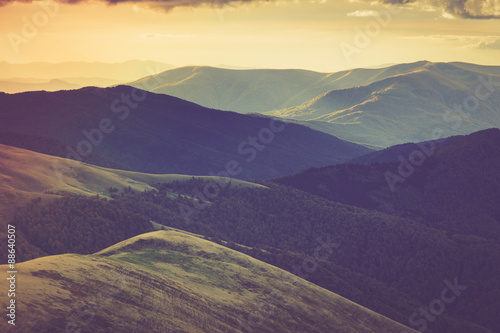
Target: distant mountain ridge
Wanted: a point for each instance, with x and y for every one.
(393, 153)
(127, 70)
(452, 98)
(17, 85)
(52, 85)
(36, 76)
(257, 90)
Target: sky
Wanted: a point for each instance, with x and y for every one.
(321, 35)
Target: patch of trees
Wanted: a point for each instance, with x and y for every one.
(78, 225)
(454, 187)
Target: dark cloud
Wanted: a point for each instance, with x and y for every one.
(473, 9)
(160, 4)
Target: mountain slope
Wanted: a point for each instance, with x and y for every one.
(393, 153)
(258, 90)
(455, 187)
(50, 146)
(168, 281)
(161, 134)
(407, 107)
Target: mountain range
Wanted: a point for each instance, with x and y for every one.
(379, 107)
(255, 203)
(258, 90)
(411, 107)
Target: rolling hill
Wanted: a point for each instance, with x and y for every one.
(168, 281)
(407, 107)
(257, 90)
(379, 107)
(26, 175)
(156, 133)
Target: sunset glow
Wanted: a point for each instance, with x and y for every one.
(319, 35)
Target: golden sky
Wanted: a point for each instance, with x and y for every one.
(322, 35)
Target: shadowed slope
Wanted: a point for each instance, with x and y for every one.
(155, 133)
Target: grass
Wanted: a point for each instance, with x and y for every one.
(167, 281)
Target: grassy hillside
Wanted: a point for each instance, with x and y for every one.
(26, 175)
(167, 281)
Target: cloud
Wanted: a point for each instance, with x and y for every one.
(491, 44)
(153, 4)
(463, 41)
(362, 13)
(472, 9)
